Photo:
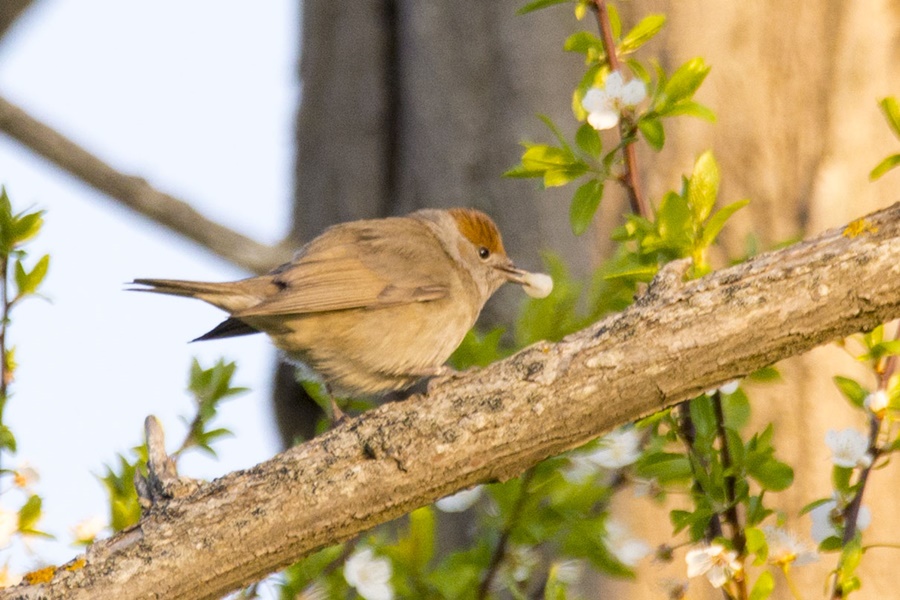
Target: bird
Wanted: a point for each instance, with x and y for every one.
(370, 306)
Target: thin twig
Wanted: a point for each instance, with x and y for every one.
(500, 551)
(4, 319)
(137, 194)
(731, 512)
(851, 512)
(632, 183)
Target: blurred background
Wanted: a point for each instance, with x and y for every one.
(279, 118)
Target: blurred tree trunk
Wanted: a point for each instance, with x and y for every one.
(411, 103)
(795, 87)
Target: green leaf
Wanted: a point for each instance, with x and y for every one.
(7, 439)
(25, 226)
(421, 537)
(540, 158)
(21, 275)
(588, 139)
(884, 166)
(673, 223)
(539, 4)
(584, 205)
(814, 504)
(830, 544)
(685, 81)
(756, 510)
(125, 510)
(703, 186)
(584, 42)
(558, 177)
(28, 283)
(552, 317)
(891, 110)
(615, 21)
(715, 224)
(642, 33)
(556, 132)
(30, 513)
(840, 478)
(703, 417)
(765, 374)
(477, 350)
(736, 407)
(664, 466)
(639, 273)
(764, 586)
(5, 214)
(689, 108)
(756, 543)
(773, 475)
(652, 130)
(852, 390)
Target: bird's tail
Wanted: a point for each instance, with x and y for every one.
(230, 296)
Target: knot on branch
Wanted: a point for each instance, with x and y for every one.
(669, 278)
(162, 482)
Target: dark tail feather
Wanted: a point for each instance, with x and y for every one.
(230, 327)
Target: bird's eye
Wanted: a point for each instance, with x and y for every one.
(484, 253)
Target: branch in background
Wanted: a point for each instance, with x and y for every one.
(10, 11)
(495, 423)
(138, 195)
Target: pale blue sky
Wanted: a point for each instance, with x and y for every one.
(197, 97)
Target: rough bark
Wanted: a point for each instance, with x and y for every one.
(675, 341)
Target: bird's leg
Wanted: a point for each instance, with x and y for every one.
(337, 415)
(439, 376)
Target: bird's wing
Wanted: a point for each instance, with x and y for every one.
(356, 265)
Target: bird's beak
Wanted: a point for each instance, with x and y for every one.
(536, 285)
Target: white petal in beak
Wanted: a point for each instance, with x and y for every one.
(536, 285)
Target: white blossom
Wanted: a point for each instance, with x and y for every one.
(718, 564)
(627, 549)
(618, 449)
(849, 448)
(9, 525)
(786, 547)
(730, 387)
(726, 388)
(827, 520)
(8, 578)
(25, 476)
(877, 401)
(370, 575)
(579, 468)
(460, 501)
(568, 571)
(88, 529)
(521, 562)
(605, 104)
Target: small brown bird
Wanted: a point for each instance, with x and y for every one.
(371, 306)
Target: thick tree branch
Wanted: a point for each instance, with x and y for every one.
(673, 343)
(137, 194)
